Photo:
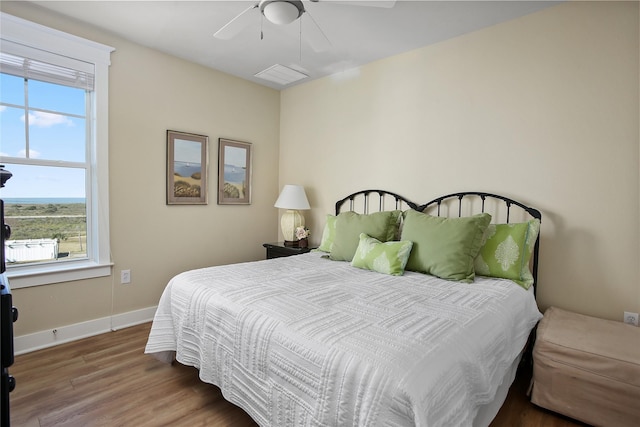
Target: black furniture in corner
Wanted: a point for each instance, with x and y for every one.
(8, 315)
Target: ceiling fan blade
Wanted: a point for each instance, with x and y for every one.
(237, 24)
(313, 34)
(371, 3)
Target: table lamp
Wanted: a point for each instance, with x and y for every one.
(292, 198)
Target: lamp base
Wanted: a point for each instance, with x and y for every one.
(289, 221)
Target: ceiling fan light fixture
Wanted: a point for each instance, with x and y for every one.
(281, 12)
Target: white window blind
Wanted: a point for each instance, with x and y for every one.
(22, 61)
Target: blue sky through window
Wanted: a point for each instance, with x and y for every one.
(57, 131)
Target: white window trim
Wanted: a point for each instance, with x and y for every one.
(37, 36)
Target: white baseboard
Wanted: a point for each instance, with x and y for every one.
(64, 334)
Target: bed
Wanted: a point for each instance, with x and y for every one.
(318, 340)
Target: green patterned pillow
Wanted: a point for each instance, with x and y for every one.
(506, 252)
(328, 234)
(380, 225)
(444, 247)
(388, 257)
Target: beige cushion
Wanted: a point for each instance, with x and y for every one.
(587, 368)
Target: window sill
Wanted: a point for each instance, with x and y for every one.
(46, 275)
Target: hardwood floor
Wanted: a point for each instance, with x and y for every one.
(107, 380)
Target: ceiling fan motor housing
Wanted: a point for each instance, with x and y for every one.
(281, 12)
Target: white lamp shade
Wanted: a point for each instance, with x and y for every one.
(281, 12)
(292, 197)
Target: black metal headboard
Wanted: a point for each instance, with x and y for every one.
(382, 196)
(449, 203)
(483, 197)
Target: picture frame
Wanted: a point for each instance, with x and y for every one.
(187, 168)
(234, 172)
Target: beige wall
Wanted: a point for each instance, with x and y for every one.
(149, 93)
(543, 109)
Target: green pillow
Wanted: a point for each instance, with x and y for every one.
(380, 225)
(328, 234)
(444, 247)
(506, 251)
(388, 257)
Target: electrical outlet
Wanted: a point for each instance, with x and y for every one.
(631, 318)
(125, 276)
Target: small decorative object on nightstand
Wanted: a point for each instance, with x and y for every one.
(302, 234)
(279, 249)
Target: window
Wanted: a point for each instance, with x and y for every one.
(53, 139)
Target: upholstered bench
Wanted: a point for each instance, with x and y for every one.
(587, 368)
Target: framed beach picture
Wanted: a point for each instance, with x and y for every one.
(234, 172)
(187, 165)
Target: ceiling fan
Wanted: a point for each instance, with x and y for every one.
(283, 12)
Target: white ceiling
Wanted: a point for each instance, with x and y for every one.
(358, 34)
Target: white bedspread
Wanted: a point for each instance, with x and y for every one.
(307, 341)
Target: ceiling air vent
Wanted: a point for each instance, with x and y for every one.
(281, 75)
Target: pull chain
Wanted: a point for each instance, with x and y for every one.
(300, 39)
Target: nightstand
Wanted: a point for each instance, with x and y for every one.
(277, 250)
